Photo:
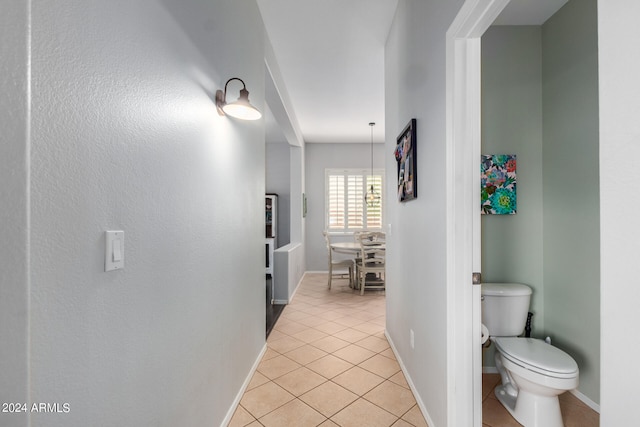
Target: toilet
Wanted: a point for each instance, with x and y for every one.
(533, 373)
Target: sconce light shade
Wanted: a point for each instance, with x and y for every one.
(240, 109)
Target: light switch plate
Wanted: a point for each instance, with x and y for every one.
(114, 250)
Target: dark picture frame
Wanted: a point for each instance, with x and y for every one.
(405, 154)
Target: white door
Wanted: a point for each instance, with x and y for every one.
(463, 209)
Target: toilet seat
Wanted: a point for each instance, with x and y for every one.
(537, 356)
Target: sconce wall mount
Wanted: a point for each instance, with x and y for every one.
(240, 109)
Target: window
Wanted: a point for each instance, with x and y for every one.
(346, 209)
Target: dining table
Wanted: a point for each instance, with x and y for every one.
(346, 247)
(352, 247)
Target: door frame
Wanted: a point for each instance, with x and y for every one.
(463, 100)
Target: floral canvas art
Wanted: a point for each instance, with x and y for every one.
(498, 192)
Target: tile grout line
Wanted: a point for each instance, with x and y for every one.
(347, 309)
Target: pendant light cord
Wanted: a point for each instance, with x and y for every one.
(372, 124)
(371, 195)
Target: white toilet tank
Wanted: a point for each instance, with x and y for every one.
(504, 308)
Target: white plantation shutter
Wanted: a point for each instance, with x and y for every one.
(374, 213)
(335, 205)
(354, 198)
(346, 208)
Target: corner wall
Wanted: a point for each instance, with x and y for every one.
(415, 87)
(571, 187)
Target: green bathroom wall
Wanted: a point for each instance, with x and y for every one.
(540, 102)
(571, 187)
(512, 124)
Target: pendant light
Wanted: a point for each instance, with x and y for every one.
(372, 198)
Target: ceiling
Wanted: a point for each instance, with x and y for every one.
(331, 57)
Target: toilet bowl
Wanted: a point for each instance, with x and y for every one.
(533, 373)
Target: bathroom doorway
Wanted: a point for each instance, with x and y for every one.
(463, 230)
(464, 106)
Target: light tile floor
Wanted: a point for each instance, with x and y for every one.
(328, 363)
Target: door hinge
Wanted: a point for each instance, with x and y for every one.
(476, 278)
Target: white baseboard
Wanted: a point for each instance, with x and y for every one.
(590, 403)
(584, 399)
(236, 401)
(297, 287)
(417, 396)
(286, 301)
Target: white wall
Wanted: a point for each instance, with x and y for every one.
(289, 261)
(318, 158)
(412, 74)
(618, 32)
(288, 271)
(283, 178)
(296, 264)
(297, 169)
(278, 181)
(124, 135)
(14, 208)
(415, 84)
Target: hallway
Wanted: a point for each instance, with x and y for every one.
(328, 363)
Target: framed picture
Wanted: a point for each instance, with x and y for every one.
(498, 181)
(405, 155)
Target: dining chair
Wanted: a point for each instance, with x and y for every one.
(338, 263)
(371, 236)
(357, 237)
(371, 265)
(377, 236)
(374, 236)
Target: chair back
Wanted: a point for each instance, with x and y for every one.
(378, 236)
(326, 240)
(372, 247)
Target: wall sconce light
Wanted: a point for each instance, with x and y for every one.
(240, 109)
